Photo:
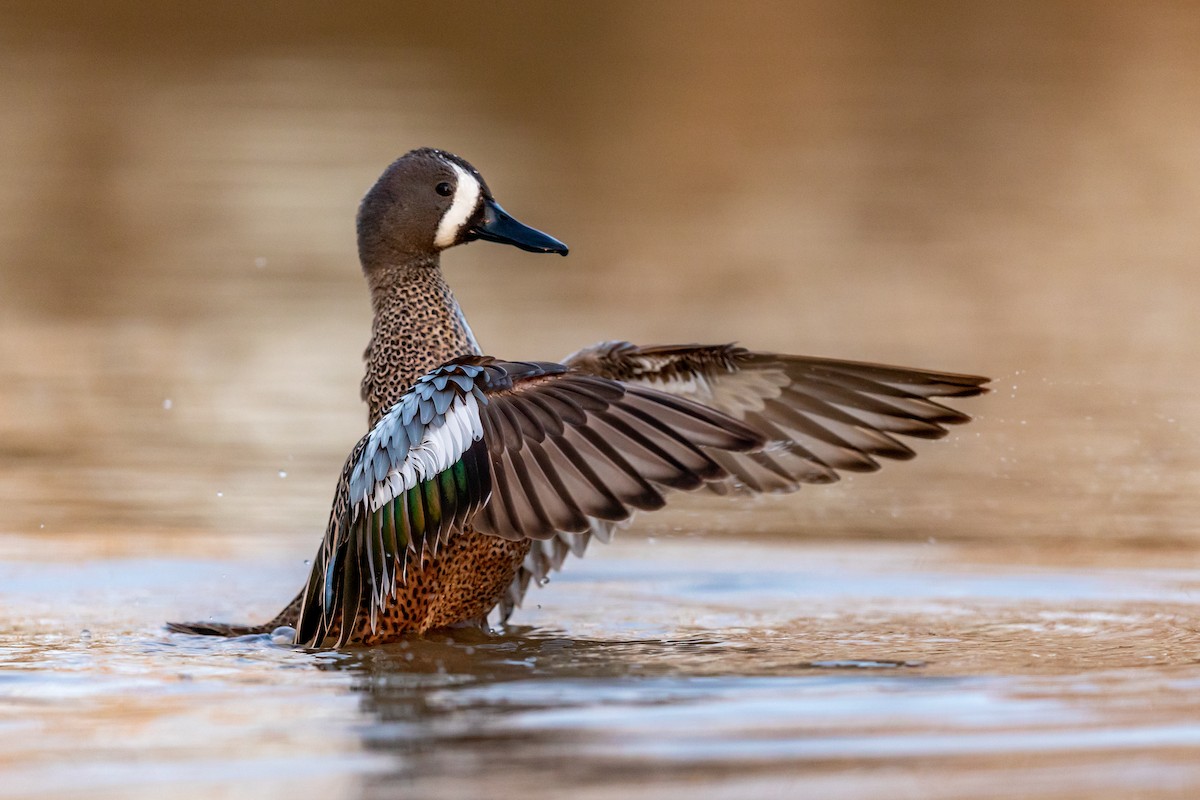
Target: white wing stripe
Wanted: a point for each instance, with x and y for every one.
(438, 449)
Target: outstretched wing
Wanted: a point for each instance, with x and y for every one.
(818, 415)
(518, 450)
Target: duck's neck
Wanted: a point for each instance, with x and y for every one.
(418, 326)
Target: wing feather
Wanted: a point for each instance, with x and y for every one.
(818, 415)
(571, 446)
(821, 415)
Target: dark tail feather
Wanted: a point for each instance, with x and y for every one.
(218, 628)
(289, 616)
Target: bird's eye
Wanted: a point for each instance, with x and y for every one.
(445, 189)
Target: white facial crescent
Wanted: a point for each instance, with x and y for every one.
(466, 199)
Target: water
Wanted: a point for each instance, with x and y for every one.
(1005, 189)
(835, 668)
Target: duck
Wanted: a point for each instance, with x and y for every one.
(480, 476)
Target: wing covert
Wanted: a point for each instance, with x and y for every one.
(418, 476)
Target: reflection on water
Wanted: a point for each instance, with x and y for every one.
(1008, 189)
(967, 678)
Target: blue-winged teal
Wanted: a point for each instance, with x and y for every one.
(479, 476)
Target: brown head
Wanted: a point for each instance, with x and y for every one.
(429, 200)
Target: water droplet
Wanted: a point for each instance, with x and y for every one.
(43, 525)
(220, 494)
(167, 404)
(85, 634)
(260, 262)
(282, 473)
(543, 581)
(284, 634)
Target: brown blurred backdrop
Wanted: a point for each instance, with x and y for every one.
(1006, 188)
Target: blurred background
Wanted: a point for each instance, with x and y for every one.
(1005, 188)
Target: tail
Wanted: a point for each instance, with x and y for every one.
(289, 617)
(218, 628)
